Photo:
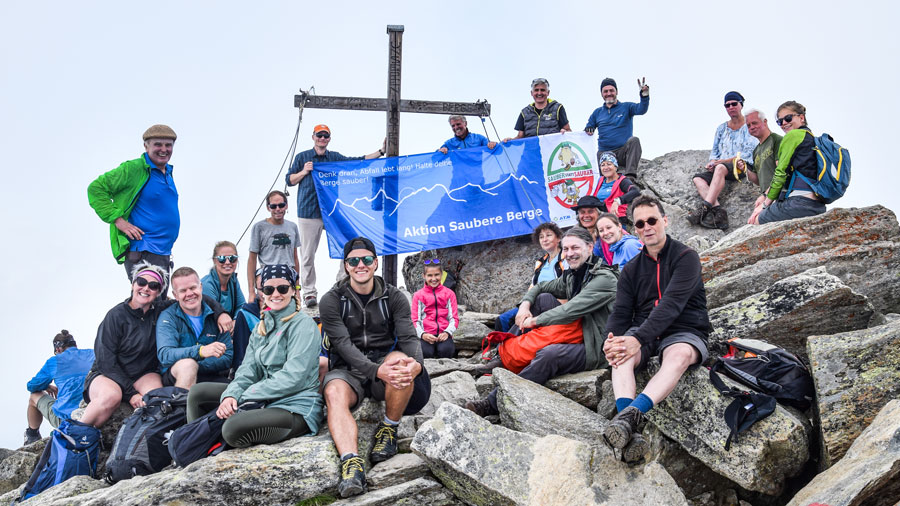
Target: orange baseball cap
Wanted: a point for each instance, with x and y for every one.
(321, 128)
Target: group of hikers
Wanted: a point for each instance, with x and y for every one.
(599, 296)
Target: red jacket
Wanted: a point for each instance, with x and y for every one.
(433, 311)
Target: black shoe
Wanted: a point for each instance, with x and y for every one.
(486, 368)
(482, 407)
(698, 214)
(709, 218)
(353, 477)
(618, 432)
(721, 217)
(310, 301)
(32, 435)
(634, 451)
(385, 445)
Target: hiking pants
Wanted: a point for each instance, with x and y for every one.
(245, 428)
(551, 361)
(442, 349)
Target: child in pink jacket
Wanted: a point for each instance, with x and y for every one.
(434, 314)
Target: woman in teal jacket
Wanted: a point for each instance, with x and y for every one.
(222, 281)
(280, 370)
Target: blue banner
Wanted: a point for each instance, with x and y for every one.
(413, 203)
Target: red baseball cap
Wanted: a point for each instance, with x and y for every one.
(321, 128)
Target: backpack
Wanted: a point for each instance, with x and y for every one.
(196, 440)
(833, 177)
(73, 450)
(768, 369)
(140, 445)
(746, 409)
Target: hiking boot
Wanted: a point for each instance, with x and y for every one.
(32, 435)
(618, 432)
(634, 451)
(482, 408)
(385, 445)
(486, 368)
(310, 301)
(353, 477)
(709, 219)
(695, 216)
(721, 217)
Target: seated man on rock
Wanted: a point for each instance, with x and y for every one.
(660, 310)
(565, 338)
(375, 353)
(189, 344)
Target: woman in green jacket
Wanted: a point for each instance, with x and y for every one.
(280, 370)
(790, 197)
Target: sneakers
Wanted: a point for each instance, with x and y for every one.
(482, 407)
(353, 477)
(32, 435)
(310, 301)
(385, 443)
(618, 432)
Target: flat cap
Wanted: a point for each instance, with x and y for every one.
(160, 132)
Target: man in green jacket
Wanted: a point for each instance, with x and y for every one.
(588, 288)
(140, 202)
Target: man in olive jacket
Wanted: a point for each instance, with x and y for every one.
(588, 288)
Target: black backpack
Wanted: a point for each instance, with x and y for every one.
(140, 448)
(198, 439)
(746, 409)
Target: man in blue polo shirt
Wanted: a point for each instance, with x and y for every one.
(140, 202)
(613, 122)
(57, 388)
(309, 216)
(462, 137)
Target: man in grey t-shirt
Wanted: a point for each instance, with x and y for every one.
(273, 240)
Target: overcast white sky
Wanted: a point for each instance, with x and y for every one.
(81, 81)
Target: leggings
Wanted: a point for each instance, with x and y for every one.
(245, 428)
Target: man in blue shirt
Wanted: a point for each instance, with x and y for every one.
(189, 344)
(140, 202)
(462, 138)
(309, 216)
(57, 388)
(613, 122)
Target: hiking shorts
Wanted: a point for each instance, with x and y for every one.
(707, 175)
(364, 387)
(45, 406)
(657, 346)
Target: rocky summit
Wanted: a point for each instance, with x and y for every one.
(825, 288)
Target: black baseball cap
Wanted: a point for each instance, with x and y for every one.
(359, 243)
(588, 201)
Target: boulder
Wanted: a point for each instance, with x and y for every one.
(484, 385)
(855, 374)
(456, 387)
(861, 246)
(670, 177)
(440, 366)
(418, 492)
(400, 468)
(606, 406)
(581, 387)
(869, 473)
(60, 494)
(528, 407)
(483, 318)
(16, 469)
(767, 453)
(488, 464)
(469, 335)
(790, 310)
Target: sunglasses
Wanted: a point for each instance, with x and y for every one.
(282, 289)
(732, 104)
(433, 261)
(280, 205)
(229, 258)
(366, 260)
(323, 135)
(786, 119)
(153, 285)
(639, 224)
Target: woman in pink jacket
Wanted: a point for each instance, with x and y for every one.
(434, 314)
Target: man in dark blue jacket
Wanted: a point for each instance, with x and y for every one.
(57, 388)
(660, 311)
(614, 123)
(189, 344)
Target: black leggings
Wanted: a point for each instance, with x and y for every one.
(245, 428)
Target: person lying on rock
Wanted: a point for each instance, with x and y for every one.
(660, 310)
(280, 370)
(375, 353)
(434, 313)
(190, 346)
(614, 245)
(564, 338)
(125, 361)
(546, 268)
(58, 387)
(731, 142)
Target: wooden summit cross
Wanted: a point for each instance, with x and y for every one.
(393, 106)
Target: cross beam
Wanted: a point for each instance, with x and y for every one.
(393, 106)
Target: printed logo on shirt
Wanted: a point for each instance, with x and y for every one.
(281, 240)
(570, 174)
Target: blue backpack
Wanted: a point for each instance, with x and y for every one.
(833, 177)
(73, 449)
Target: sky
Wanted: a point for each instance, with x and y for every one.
(80, 82)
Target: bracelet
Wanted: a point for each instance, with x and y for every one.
(200, 352)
